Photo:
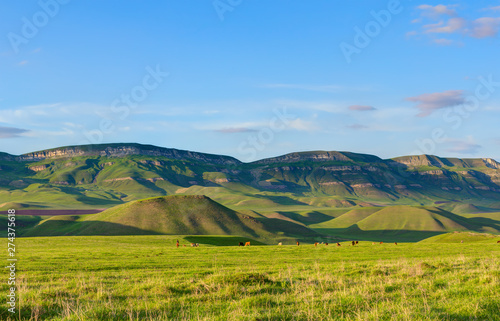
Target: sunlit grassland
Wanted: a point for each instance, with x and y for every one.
(148, 278)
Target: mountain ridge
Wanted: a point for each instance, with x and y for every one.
(100, 176)
(126, 149)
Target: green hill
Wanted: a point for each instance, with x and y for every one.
(171, 215)
(401, 223)
(462, 237)
(348, 219)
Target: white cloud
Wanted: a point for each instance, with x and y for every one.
(319, 88)
(442, 19)
(461, 146)
(361, 108)
(485, 27)
(428, 103)
(435, 12)
(302, 125)
(453, 25)
(443, 42)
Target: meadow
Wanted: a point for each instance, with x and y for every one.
(148, 278)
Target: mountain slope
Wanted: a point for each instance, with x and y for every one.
(97, 176)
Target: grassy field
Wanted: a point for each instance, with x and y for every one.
(148, 278)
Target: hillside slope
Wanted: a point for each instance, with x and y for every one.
(401, 223)
(170, 215)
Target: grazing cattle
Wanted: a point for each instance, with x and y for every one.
(498, 241)
(177, 243)
(395, 243)
(326, 243)
(373, 243)
(353, 243)
(381, 242)
(298, 243)
(247, 244)
(195, 244)
(338, 244)
(356, 242)
(241, 244)
(280, 244)
(316, 244)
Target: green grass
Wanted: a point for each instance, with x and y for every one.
(148, 278)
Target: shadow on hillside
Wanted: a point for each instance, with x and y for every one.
(355, 233)
(87, 228)
(275, 225)
(485, 222)
(281, 200)
(311, 218)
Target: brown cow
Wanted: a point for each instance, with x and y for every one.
(177, 243)
(338, 244)
(356, 242)
(498, 241)
(241, 244)
(316, 244)
(353, 243)
(326, 243)
(381, 243)
(247, 244)
(395, 243)
(298, 243)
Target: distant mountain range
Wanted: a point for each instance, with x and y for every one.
(340, 194)
(105, 175)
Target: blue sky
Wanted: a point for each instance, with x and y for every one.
(252, 79)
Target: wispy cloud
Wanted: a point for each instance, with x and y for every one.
(493, 8)
(319, 88)
(461, 146)
(361, 108)
(357, 126)
(235, 130)
(434, 12)
(485, 27)
(445, 20)
(443, 42)
(428, 103)
(453, 25)
(326, 106)
(11, 132)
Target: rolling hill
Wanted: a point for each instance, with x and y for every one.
(401, 223)
(170, 215)
(306, 194)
